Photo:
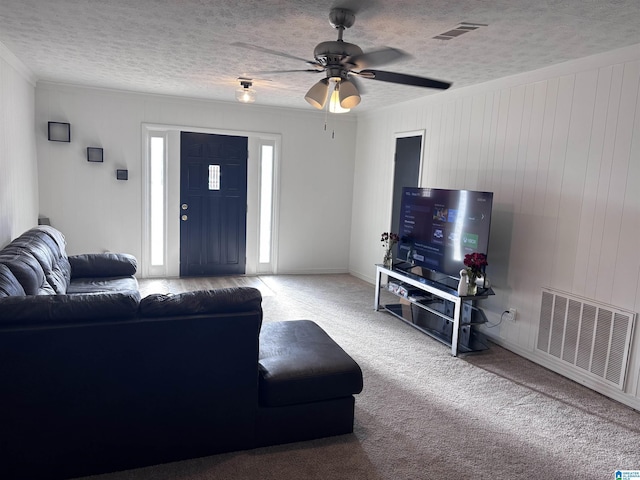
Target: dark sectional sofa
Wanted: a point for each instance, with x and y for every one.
(96, 379)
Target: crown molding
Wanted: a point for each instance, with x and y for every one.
(8, 56)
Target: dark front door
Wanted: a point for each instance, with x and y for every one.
(213, 204)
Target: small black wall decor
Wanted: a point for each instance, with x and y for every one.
(122, 174)
(94, 154)
(59, 132)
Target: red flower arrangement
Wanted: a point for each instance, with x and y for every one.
(475, 263)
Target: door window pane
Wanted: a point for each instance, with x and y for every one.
(214, 177)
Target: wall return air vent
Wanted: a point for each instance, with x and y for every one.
(588, 338)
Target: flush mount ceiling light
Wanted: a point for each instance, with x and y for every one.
(245, 93)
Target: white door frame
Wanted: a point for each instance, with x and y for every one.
(172, 196)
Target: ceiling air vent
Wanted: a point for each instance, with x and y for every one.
(463, 27)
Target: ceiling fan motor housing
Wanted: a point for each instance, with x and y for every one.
(337, 73)
(334, 51)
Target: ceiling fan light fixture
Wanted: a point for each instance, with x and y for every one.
(345, 63)
(334, 101)
(348, 94)
(317, 95)
(245, 93)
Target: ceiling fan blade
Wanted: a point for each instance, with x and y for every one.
(257, 48)
(404, 79)
(377, 57)
(312, 70)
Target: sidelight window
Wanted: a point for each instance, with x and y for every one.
(157, 197)
(266, 203)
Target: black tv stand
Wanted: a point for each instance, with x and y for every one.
(434, 308)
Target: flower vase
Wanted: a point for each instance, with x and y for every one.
(472, 287)
(388, 259)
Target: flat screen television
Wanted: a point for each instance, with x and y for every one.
(439, 227)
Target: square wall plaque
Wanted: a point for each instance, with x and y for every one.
(94, 154)
(59, 132)
(122, 174)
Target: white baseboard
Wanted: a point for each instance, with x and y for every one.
(614, 394)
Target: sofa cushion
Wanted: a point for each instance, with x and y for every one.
(56, 235)
(62, 269)
(26, 269)
(102, 284)
(9, 284)
(300, 363)
(46, 250)
(43, 309)
(223, 300)
(103, 265)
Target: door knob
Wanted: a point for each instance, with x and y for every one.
(185, 206)
(184, 218)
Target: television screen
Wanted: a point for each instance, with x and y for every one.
(439, 227)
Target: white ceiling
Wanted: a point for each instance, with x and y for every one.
(184, 47)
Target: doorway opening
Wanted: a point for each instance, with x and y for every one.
(406, 171)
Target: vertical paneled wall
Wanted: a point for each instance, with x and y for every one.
(560, 149)
(18, 167)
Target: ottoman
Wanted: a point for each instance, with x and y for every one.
(307, 384)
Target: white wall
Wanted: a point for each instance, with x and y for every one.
(18, 167)
(96, 212)
(560, 149)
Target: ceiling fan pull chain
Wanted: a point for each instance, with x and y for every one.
(326, 115)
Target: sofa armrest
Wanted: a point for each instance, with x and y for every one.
(103, 265)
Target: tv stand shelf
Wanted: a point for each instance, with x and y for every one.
(435, 309)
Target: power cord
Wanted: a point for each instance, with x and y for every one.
(490, 325)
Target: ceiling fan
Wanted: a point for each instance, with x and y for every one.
(343, 63)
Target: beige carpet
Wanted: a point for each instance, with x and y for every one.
(424, 414)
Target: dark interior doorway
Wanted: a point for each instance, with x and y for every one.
(406, 173)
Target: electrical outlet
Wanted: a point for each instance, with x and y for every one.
(511, 314)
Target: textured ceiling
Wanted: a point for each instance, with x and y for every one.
(185, 47)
